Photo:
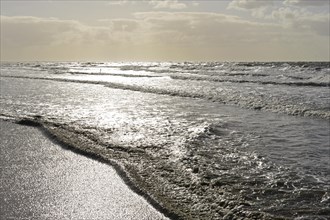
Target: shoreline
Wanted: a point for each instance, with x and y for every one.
(171, 194)
(117, 167)
(125, 176)
(93, 156)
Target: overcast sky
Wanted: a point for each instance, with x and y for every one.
(165, 30)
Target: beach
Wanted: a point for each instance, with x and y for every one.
(198, 140)
(42, 180)
(165, 109)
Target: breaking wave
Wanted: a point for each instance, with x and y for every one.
(252, 101)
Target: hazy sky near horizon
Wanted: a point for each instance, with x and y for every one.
(165, 30)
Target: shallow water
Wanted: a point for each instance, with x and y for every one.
(207, 139)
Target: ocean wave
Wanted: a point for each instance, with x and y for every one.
(256, 102)
(114, 74)
(215, 177)
(192, 157)
(216, 79)
(275, 73)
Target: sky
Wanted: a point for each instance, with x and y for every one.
(165, 30)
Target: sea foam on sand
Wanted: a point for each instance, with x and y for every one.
(42, 180)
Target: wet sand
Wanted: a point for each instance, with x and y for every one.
(41, 180)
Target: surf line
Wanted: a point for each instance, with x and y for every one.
(46, 129)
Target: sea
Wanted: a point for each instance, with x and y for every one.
(200, 140)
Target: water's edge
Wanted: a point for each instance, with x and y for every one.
(148, 185)
(47, 129)
(196, 140)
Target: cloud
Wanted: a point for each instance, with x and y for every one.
(284, 12)
(35, 38)
(303, 20)
(166, 36)
(156, 4)
(258, 8)
(119, 2)
(249, 4)
(33, 31)
(120, 25)
(171, 4)
(220, 33)
(36, 31)
(316, 3)
(195, 4)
